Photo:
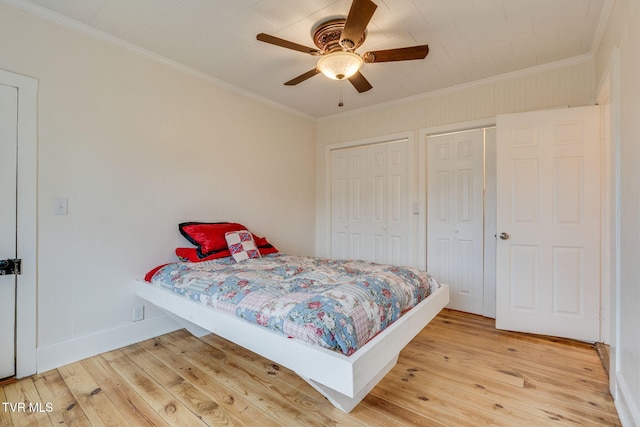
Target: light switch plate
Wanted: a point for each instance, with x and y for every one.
(60, 206)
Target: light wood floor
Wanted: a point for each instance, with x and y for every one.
(459, 371)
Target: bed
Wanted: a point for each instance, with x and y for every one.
(339, 324)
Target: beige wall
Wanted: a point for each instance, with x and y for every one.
(571, 84)
(623, 31)
(137, 147)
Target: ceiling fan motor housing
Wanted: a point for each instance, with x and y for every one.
(327, 35)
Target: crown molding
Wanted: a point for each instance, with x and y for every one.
(104, 37)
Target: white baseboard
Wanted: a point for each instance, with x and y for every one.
(628, 412)
(60, 354)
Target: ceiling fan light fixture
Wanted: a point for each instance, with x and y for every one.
(339, 65)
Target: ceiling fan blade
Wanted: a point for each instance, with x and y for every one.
(359, 82)
(302, 77)
(359, 16)
(399, 54)
(287, 44)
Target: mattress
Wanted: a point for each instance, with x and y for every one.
(335, 304)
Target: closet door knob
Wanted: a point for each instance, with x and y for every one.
(504, 236)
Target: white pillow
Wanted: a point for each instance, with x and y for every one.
(241, 245)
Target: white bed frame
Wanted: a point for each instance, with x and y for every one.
(344, 380)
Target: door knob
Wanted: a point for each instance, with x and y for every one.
(504, 236)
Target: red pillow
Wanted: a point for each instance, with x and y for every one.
(264, 246)
(267, 248)
(260, 241)
(208, 237)
(191, 255)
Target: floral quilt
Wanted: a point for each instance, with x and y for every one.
(336, 304)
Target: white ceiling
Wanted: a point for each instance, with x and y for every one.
(469, 40)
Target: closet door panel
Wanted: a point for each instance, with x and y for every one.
(339, 203)
(370, 203)
(399, 242)
(378, 181)
(359, 211)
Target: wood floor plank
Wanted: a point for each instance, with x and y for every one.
(133, 408)
(386, 412)
(512, 366)
(236, 404)
(410, 385)
(5, 415)
(466, 362)
(284, 394)
(161, 400)
(66, 410)
(507, 344)
(97, 406)
(317, 409)
(489, 397)
(486, 328)
(204, 407)
(540, 372)
(459, 370)
(23, 392)
(214, 361)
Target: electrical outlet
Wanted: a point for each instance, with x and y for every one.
(138, 312)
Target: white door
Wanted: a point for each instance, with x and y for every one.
(339, 203)
(348, 198)
(370, 206)
(399, 216)
(490, 235)
(8, 159)
(377, 204)
(548, 207)
(389, 203)
(455, 214)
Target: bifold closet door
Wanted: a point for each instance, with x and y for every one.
(390, 231)
(370, 212)
(349, 215)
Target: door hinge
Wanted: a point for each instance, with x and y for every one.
(10, 266)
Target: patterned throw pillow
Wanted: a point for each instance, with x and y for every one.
(241, 245)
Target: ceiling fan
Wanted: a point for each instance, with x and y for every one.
(337, 40)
